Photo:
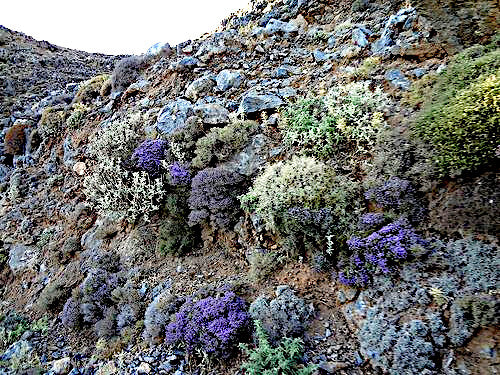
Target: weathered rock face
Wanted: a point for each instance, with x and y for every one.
(459, 24)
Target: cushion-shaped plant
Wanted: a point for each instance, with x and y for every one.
(212, 325)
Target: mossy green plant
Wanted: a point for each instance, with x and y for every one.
(464, 129)
(221, 143)
(90, 89)
(52, 122)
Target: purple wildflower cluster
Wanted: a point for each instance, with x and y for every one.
(179, 175)
(380, 252)
(149, 155)
(371, 221)
(398, 195)
(213, 198)
(213, 325)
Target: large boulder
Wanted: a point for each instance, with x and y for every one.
(173, 116)
(228, 79)
(22, 257)
(212, 114)
(254, 102)
(200, 87)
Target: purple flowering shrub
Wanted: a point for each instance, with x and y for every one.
(380, 252)
(149, 154)
(213, 325)
(398, 196)
(179, 175)
(371, 221)
(213, 198)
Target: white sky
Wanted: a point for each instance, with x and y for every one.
(114, 26)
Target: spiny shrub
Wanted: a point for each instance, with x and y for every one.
(380, 252)
(149, 155)
(213, 198)
(367, 67)
(77, 116)
(212, 325)
(116, 139)
(461, 121)
(90, 89)
(183, 141)
(15, 139)
(122, 193)
(285, 359)
(300, 182)
(52, 122)
(221, 143)
(349, 116)
(115, 189)
(126, 72)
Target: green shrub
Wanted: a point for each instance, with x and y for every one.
(75, 119)
(367, 67)
(464, 129)
(285, 359)
(420, 91)
(221, 143)
(347, 119)
(90, 89)
(175, 237)
(52, 122)
(302, 183)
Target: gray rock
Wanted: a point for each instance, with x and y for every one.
(252, 158)
(17, 350)
(227, 79)
(281, 72)
(200, 87)
(212, 114)
(173, 116)
(332, 41)
(419, 72)
(186, 63)
(253, 102)
(69, 152)
(359, 38)
(61, 366)
(275, 26)
(22, 257)
(320, 56)
(397, 79)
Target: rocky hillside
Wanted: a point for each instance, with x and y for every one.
(312, 189)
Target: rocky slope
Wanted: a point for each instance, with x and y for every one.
(186, 176)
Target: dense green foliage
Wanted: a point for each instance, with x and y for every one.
(221, 143)
(285, 359)
(347, 119)
(462, 118)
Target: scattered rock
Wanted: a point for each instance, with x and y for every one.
(397, 79)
